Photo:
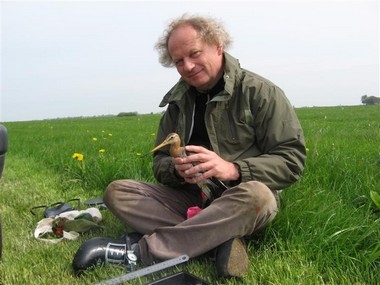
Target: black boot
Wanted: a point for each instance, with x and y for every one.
(100, 250)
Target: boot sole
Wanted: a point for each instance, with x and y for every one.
(237, 262)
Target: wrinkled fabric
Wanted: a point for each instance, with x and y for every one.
(160, 213)
(45, 225)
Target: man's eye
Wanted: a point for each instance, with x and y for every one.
(195, 54)
(178, 62)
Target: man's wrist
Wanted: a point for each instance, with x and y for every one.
(237, 173)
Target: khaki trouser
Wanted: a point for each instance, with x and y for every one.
(159, 212)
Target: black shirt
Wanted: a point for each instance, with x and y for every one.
(199, 135)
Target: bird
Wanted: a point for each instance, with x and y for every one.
(211, 187)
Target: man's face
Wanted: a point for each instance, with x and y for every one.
(198, 63)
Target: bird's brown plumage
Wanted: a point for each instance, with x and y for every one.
(176, 150)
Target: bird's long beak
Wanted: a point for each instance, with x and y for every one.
(161, 145)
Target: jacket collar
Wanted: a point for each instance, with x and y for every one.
(232, 74)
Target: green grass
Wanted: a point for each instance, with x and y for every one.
(327, 232)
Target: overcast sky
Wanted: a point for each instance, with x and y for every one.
(89, 58)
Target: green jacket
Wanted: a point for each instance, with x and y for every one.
(250, 123)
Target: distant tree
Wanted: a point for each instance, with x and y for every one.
(127, 114)
(370, 100)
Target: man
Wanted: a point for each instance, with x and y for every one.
(239, 129)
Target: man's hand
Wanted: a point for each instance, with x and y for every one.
(202, 163)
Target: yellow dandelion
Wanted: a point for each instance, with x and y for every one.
(138, 153)
(78, 156)
(94, 139)
(110, 135)
(102, 150)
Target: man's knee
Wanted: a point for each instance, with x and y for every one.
(120, 190)
(260, 195)
(262, 202)
(111, 192)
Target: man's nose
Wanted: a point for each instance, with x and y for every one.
(188, 65)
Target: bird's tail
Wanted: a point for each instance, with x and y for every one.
(212, 188)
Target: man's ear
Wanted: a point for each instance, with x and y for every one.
(219, 49)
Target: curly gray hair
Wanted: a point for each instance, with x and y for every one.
(209, 29)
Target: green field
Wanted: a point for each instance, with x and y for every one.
(327, 231)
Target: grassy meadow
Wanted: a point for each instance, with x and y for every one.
(327, 231)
